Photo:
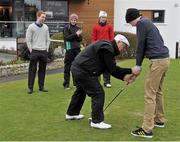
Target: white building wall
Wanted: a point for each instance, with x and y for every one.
(170, 30)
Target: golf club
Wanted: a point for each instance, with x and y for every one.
(122, 89)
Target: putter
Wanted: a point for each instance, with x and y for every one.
(122, 89)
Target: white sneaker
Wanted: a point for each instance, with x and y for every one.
(100, 125)
(74, 117)
(108, 85)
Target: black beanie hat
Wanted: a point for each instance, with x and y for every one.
(132, 14)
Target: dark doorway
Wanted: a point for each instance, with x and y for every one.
(5, 17)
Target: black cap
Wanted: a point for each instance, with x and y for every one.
(132, 14)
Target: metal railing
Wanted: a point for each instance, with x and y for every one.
(12, 35)
(18, 28)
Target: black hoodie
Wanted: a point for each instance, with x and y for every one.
(71, 36)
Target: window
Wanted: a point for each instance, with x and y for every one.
(30, 9)
(156, 16)
(55, 10)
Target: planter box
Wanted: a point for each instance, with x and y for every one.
(15, 69)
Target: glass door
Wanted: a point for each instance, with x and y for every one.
(5, 18)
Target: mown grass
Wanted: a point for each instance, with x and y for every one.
(40, 117)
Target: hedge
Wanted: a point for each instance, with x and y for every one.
(130, 53)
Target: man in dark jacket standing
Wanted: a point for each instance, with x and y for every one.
(151, 45)
(87, 66)
(72, 39)
(103, 31)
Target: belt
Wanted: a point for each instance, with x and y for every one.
(159, 59)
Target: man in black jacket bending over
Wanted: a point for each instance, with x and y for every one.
(87, 66)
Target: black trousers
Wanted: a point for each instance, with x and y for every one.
(106, 77)
(69, 58)
(86, 84)
(41, 58)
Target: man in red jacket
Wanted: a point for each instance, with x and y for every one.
(103, 31)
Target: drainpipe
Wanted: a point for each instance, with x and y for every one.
(177, 50)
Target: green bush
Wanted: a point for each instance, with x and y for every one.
(1, 62)
(24, 52)
(57, 36)
(53, 45)
(11, 62)
(130, 53)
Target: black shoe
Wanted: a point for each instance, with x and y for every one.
(30, 91)
(159, 124)
(43, 90)
(141, 133)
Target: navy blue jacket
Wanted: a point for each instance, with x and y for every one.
(149, 42)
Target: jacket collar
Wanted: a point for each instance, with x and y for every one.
(116, 50)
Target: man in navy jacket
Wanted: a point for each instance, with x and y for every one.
(150, 44)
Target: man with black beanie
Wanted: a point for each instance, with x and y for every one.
(150, 44)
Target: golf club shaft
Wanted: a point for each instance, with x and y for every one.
(115, 97)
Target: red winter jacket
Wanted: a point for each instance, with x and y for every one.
(102, 32)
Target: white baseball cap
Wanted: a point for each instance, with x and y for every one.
(122, 38)
(102, 13)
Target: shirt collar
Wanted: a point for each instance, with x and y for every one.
(116, 49)
(38, 24)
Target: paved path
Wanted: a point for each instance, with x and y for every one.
(24, 76)
(7, 57)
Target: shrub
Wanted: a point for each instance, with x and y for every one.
(24, 54)
(1, 62)
(53, 45)
(57, 36)
(12, 62)
(130, 53)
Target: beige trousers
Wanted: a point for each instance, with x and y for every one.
(153, 97)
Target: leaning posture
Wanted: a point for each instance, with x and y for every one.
(87, 66)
